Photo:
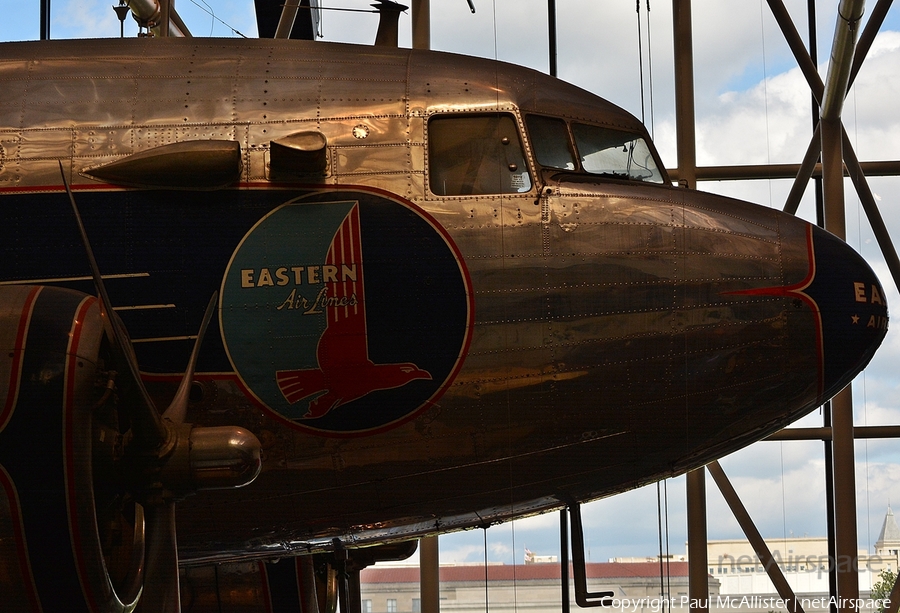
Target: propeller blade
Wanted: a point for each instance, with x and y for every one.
(138, 554)
(178, 407)
(149, 430)
(162, 592)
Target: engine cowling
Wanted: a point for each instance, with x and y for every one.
(75, 536)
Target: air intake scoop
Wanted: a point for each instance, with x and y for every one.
(196, 164)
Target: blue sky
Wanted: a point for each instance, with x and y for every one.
(774, 55)
(752, 107)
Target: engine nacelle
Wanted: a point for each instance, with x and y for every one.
(77, 547)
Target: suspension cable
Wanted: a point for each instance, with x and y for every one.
(637, 10)
(650, 68)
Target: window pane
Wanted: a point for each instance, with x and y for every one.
(617, 153)
(391, 605)
(476, 155)
(550, 140)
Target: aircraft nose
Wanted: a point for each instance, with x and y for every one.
(851, 305)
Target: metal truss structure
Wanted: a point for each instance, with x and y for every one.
(831, 154)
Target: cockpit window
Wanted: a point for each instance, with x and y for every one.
(476, 154)
(616, 153)
(550, 141)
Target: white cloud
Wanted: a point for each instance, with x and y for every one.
(458, 548)
(87, 19)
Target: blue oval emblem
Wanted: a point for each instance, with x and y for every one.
(346, 312)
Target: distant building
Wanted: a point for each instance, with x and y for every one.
(888, 543)
(533, 558)
(804, 562)
(534, 587)
(737, 580)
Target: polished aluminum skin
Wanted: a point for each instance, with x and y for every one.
(622, 332)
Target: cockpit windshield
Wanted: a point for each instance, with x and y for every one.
(550, 140)
(604, 151)
(596, 150)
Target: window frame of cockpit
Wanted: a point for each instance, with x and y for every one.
(572, 146)
(524, 146)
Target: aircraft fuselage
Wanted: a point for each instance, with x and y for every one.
(436, 308)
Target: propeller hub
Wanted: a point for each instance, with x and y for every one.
(205, 458)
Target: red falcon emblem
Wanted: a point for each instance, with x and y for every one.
(345, 372)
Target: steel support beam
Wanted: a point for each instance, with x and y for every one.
(831, 140)
(855, 170)
(833, 176)
(836, 82)
(149, 14)
(288, 16)
(421, 24)
(583, 597)
(429, 575)
(343, 577)
(564, 561)
(850, 12)
(824, 434)
(165, 9)
(805, 172)
(828, 456)
(882, 168)
(807, 61)
(354, 590)
(817, 182)
(698, 573)
(846, 548)
(551, 35)
(176, 24)
(807, 66)
(756, 540)
(45, 20)
(685, 132)
(686, 143)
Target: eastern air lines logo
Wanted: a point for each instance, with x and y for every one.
(346, 313)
